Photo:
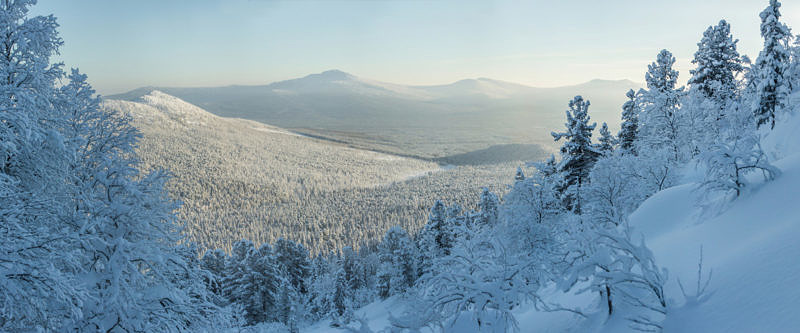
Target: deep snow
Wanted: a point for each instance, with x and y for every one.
(750, 244)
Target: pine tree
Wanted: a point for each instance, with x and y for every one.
(630, 123)
(321, 288)
(292, 258)
(459, 223)
(718, 63)
(530, 201)
(213, 261)
(578, 154)
(436, 238)
(398, 270)
(549, 168)
(488, 208)
(607, 140)
(713, 85)
(660, 124)
(252, 280)
(519, 175)
(353, 269)
(341, 294)
(772, 86)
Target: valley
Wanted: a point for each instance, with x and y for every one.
(239, 179)
(291, 158)
(426, 122)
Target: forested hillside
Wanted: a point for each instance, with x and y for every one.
(242, 179)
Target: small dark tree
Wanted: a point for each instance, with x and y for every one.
(607, 140)
(630, 123)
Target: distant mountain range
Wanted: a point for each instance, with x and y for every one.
(472, 110)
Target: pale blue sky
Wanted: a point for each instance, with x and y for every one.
(122, 45)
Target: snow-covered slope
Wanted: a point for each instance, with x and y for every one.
(750, 248)
(243, 179)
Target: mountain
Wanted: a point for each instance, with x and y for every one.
(239, 178)
(424, 121)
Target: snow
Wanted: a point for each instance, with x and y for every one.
(750, 244)
(376, 312)
(751, 248)
(276, 131)
(784, 140)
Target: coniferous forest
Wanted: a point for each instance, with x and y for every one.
(91, 240)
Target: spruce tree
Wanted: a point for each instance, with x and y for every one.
(630, 123)
(607, 140)
(713, 85)
(436, 238)
(660, 124)
(519, 175)
(213, 262)
(487, 206)
(718, 63)
(772, 64)
(398, 270)
(578, 154)
(292, 258)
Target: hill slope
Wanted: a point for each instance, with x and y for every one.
(243, 179)
(750, 244)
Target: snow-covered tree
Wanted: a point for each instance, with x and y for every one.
(616, 188)
(436, 239)
(125, 222)
(578, 154)
(252, 280)
(530, 201)
(213, 261)
(342, 295)
(629, 130)
(713, 84)
(660, 123)
(39, 256)
(292, 258)
(321, 287)
(771, 82)
(353, 268)
(519, 175)
(483, 280)
(736, 154)
(718, 64)
(607, 140)
(622, 271)
(398, 267)
(487, 207)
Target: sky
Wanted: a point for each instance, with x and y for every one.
(123, 45)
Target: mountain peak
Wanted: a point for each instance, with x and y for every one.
(333, 75)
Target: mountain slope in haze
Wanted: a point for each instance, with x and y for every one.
(425, 121)
(243, 179)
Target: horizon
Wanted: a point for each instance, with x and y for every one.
(415, 43)
(356, 76)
